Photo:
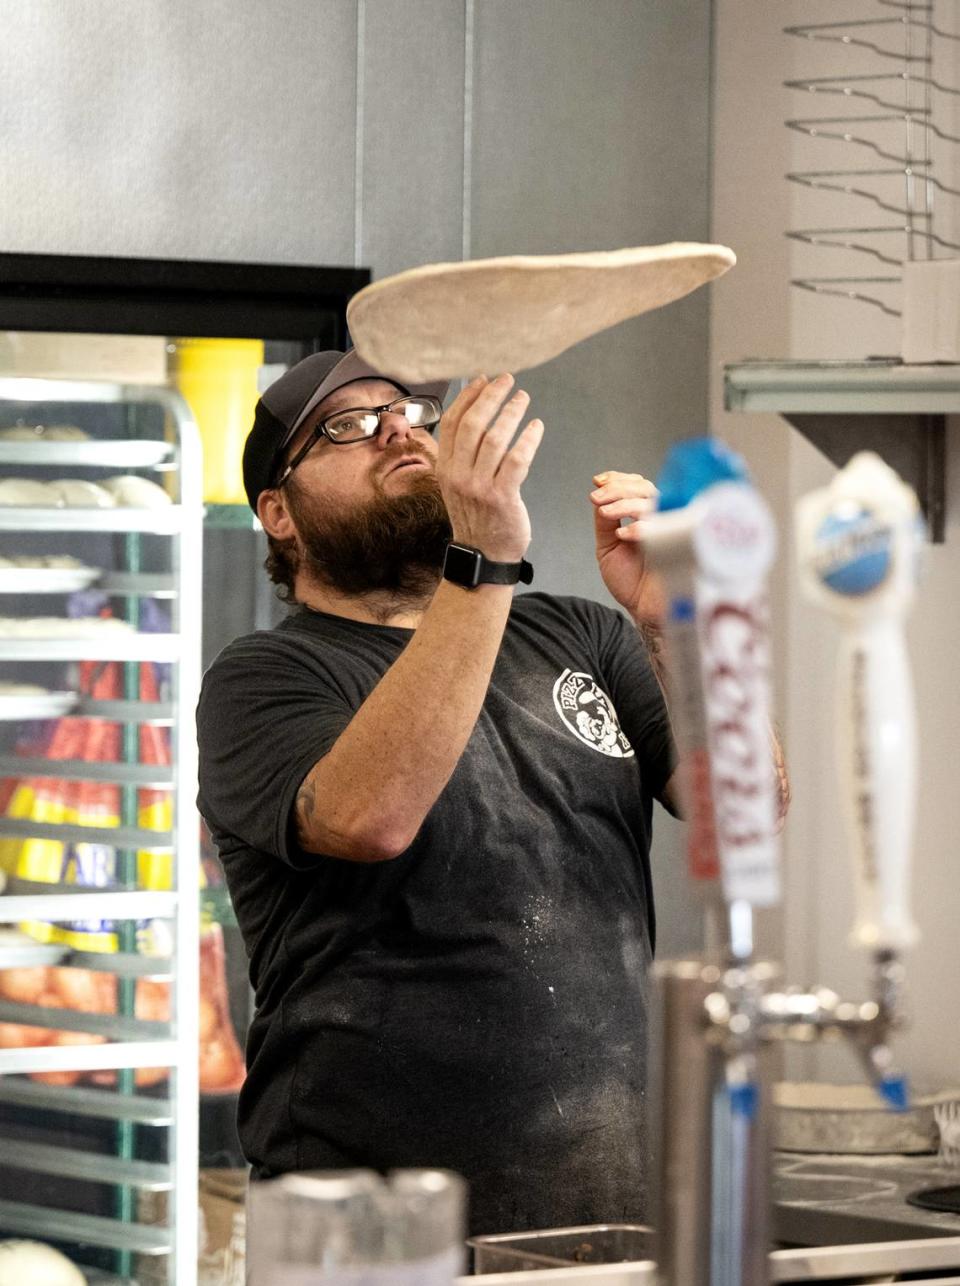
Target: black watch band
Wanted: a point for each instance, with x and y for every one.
(467, 566)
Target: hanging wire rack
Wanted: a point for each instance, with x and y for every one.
(891, 142)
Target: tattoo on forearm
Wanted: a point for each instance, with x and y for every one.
(306, 809)
(652, 637)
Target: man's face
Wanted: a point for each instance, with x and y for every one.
(357, 471)
(369, 515)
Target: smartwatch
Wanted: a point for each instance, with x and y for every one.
(467, 566)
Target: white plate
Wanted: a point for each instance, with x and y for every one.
(47, 705)
(46, 580)
(20, 951)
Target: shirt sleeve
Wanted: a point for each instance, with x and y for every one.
(637, 697)
(266, 715)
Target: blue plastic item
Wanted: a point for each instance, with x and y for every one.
(695, 464)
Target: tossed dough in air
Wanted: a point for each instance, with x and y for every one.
(452, 320)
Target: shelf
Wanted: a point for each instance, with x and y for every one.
(109, 1057)
(128, 453)
(162, 522)
(92, 1167)
(103, 1104)
(92, 1230)
(125, 1041)
(112, 1026)
(159, 713)
(152, 776)
(132, 837)
(23, 901)
(125, 964)
(879, 386)
(110, 646)
(138, 585)
(842, 407)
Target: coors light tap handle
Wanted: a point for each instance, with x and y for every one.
(713, 540)
(858, 542)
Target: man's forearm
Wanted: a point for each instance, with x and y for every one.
(367, 798)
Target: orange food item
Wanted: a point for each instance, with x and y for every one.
(16, 1036)
(84, 989)
(23, 986)
(67, 1038)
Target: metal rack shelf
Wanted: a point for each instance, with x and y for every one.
(74, 1163)
(105, 1104)
(122, 1042)
(73, 833)
(109, 646)
(127, 453)
(138, 584)
(843, 407)
(153, 776)
(27, 899)
(111, 1056)
(91, 1230)
(112, 1026)
(155, 712)
(167, 521)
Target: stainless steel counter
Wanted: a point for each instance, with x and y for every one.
(833, 1200)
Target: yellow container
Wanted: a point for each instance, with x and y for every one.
(218, 379)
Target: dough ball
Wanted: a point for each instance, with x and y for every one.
(76, 493)
(138, 493)
(40, 1265)
(22, 492)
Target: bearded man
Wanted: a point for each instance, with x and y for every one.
(433, 800)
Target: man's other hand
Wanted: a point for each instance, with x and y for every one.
(620, 552)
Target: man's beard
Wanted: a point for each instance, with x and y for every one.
(392, 545)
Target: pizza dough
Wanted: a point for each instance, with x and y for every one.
(138, 493)
(25, 493)
(451, 320)
(77, 493)
(23, 1262)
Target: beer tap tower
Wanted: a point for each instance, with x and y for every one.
(713, 541)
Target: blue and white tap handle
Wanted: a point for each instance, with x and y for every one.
(858, 543)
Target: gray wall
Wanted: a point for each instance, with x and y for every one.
(391, 133)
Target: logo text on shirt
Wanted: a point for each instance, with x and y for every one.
(589, 714)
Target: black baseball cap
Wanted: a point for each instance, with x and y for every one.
(285, 405)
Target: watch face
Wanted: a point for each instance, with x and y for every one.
(462, 565)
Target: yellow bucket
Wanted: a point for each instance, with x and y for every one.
(218, 379)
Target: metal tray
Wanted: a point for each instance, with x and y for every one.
(849, 1119)
(516, 1252)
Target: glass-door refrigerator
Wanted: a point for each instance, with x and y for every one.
(128, 559)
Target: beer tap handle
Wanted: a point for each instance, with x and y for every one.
(858, 542)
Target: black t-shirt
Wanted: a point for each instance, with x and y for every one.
(478, 1002)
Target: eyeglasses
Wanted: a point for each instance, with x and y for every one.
(362, 422)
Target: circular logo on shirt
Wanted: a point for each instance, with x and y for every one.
(589, 714)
